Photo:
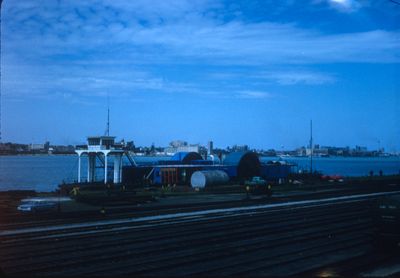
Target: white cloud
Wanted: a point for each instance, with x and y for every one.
(253, 95)
(345, 5)
(299, 77)
(180, 33)
(90, 49)
(279, 75)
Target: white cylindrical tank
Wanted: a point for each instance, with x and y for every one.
(201, 179)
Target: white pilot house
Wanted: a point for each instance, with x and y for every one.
(101, 147)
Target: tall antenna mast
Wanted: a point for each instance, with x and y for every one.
(311, 148)
(108, 116)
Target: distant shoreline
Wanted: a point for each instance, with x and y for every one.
(277, 156)
(35, 154)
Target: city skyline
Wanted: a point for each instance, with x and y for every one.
(235, 72)
(175, 146)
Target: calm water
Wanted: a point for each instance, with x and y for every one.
(44, 173)
(347, 166)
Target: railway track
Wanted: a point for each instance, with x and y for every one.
(24, 220)
(258, 239)
(104, 237)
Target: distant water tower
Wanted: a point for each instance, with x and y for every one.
(210, 149)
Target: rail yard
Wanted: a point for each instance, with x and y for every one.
(312, 233)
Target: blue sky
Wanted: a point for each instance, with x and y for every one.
(235, 72)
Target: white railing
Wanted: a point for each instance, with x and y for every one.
(102, 147)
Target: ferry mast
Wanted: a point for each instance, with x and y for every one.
(107, 133)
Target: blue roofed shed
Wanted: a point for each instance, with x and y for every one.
(243, 165)
(186, 157)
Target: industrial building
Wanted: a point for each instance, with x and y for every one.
(239, 166)
(177, 170)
